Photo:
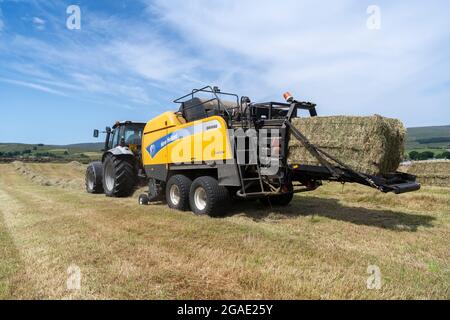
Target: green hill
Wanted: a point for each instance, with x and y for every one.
(81, 152)
(79, 147)
(435, 139)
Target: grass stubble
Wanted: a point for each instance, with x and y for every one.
(319, 247)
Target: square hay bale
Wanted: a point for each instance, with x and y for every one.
(372, 145)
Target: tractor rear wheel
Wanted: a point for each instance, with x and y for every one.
(94, 177)
(207, 197)
(119, 176)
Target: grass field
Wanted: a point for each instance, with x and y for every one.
(318, 247)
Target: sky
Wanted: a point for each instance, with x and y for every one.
(130, 59)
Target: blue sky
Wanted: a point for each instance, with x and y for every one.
(130, 59)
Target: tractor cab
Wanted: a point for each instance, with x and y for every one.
(123, 134)
(120, 169)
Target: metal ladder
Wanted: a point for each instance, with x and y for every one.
(245, 179)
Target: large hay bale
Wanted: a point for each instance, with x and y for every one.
(372, 145)
(432, 173)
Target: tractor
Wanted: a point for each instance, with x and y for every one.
(120, 170)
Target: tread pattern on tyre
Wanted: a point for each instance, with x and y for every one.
(125, 176)
(184, 185)
(217, 196)
(94, 171)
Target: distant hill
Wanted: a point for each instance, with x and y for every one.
(72, 148)
(94, 146)
(82, 152)
(437, 137)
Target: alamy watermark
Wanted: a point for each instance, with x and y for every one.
(73, 21)
(374, 20)
(374, 280)
(73, 278)
(250, 146)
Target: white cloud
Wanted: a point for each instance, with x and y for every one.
(324, 52)
(152, 60)
(121, 60)
(39, 23)
(38, 20)
(32, 85)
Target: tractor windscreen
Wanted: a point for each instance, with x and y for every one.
(132, 134)
(129, 134)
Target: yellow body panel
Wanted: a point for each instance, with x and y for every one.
(169, 139)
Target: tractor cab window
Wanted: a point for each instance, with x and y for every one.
(127, 134)
(133, 135)
(114, 139)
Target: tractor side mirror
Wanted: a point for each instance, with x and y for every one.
(96, 133)
(108, 130)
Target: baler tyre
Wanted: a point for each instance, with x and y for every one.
(94, 177)
(207, 197)
(119, 177)
(279, 200)
(283, 200)
(177, 192)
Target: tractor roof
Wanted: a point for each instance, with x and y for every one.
(118, 123)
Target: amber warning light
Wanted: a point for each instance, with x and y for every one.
(288, 96)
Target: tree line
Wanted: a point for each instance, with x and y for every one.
(36, 154)
(426, 155)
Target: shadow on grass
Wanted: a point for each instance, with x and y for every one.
(332, 209)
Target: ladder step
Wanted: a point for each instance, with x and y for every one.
(254, 194)
(250, 179)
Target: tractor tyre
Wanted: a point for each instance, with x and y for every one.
(94, 177)
(207, 197)
(119, 176)
(177, 192)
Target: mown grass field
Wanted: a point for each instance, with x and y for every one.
(318, 247)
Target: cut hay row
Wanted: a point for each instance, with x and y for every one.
(43, 180)
(432, 173)
(373, 145)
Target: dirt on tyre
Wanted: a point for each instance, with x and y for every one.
(207, 197)
(94, 177)
(119, 176)
(177, 192)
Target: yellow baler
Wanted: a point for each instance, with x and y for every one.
(211, 151)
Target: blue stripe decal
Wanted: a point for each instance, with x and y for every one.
(162, 142)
